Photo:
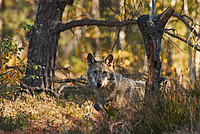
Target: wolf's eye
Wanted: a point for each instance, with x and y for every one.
(95, 72)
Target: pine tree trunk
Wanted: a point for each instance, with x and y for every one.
(43, 44)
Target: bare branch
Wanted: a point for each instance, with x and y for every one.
(89, 22)
(116, 40)
(175, 44)
(24, 86)
(79, 80)
(190, 44)
(108, 6)
(56, 94)
(181, 17)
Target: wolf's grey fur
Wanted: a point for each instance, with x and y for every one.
(110, 86)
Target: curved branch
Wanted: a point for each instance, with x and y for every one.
(89, 22)
(190, 44)
(181, 17)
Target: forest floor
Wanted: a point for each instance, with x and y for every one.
(175, 111)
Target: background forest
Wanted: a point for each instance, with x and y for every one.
(175, 111)
(129, 47)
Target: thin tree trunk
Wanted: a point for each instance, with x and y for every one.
(1, 28)
(152, 32)
(197, 57)
(191, 70)
(153, 8)
(96, 15)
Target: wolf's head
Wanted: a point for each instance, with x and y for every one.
(100, 72)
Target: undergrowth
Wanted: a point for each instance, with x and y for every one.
(176, 110)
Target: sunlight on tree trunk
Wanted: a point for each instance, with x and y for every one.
(96, 15)
(197, 57)
(173, 2)
(191, 70)
(122, 30)
(1, 28)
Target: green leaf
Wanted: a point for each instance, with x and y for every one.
(24, 66)
(23, 70)
(20, 49)
(18, 57)
(24, 27)
(29, 26)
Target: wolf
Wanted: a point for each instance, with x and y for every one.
(110, 86)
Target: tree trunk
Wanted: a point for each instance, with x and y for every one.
(43, 44)
(197, 58)
(152, 31)
(191, 72)
(96, 16)
(1, 28)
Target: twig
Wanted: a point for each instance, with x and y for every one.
(116, 40)
(79, 80)
(117, 123)
(171, 29)
(24, 86)
(190, 44)
(65, 68)
(137, 123)
(175, 44)
(108, 6)
(187, 17)
(181, 17)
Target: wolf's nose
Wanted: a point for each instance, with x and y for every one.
(99, 85)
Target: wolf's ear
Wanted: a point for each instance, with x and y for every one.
(109, 60)
(90, 59)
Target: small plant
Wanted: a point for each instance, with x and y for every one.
(13, 65)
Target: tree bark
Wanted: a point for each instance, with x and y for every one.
(152, 31)
(43, 44)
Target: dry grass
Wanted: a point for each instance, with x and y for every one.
(175, 111)
(44, 114)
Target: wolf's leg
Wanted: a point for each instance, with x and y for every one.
(99, 98)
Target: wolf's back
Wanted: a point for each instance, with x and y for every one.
(128, 90)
